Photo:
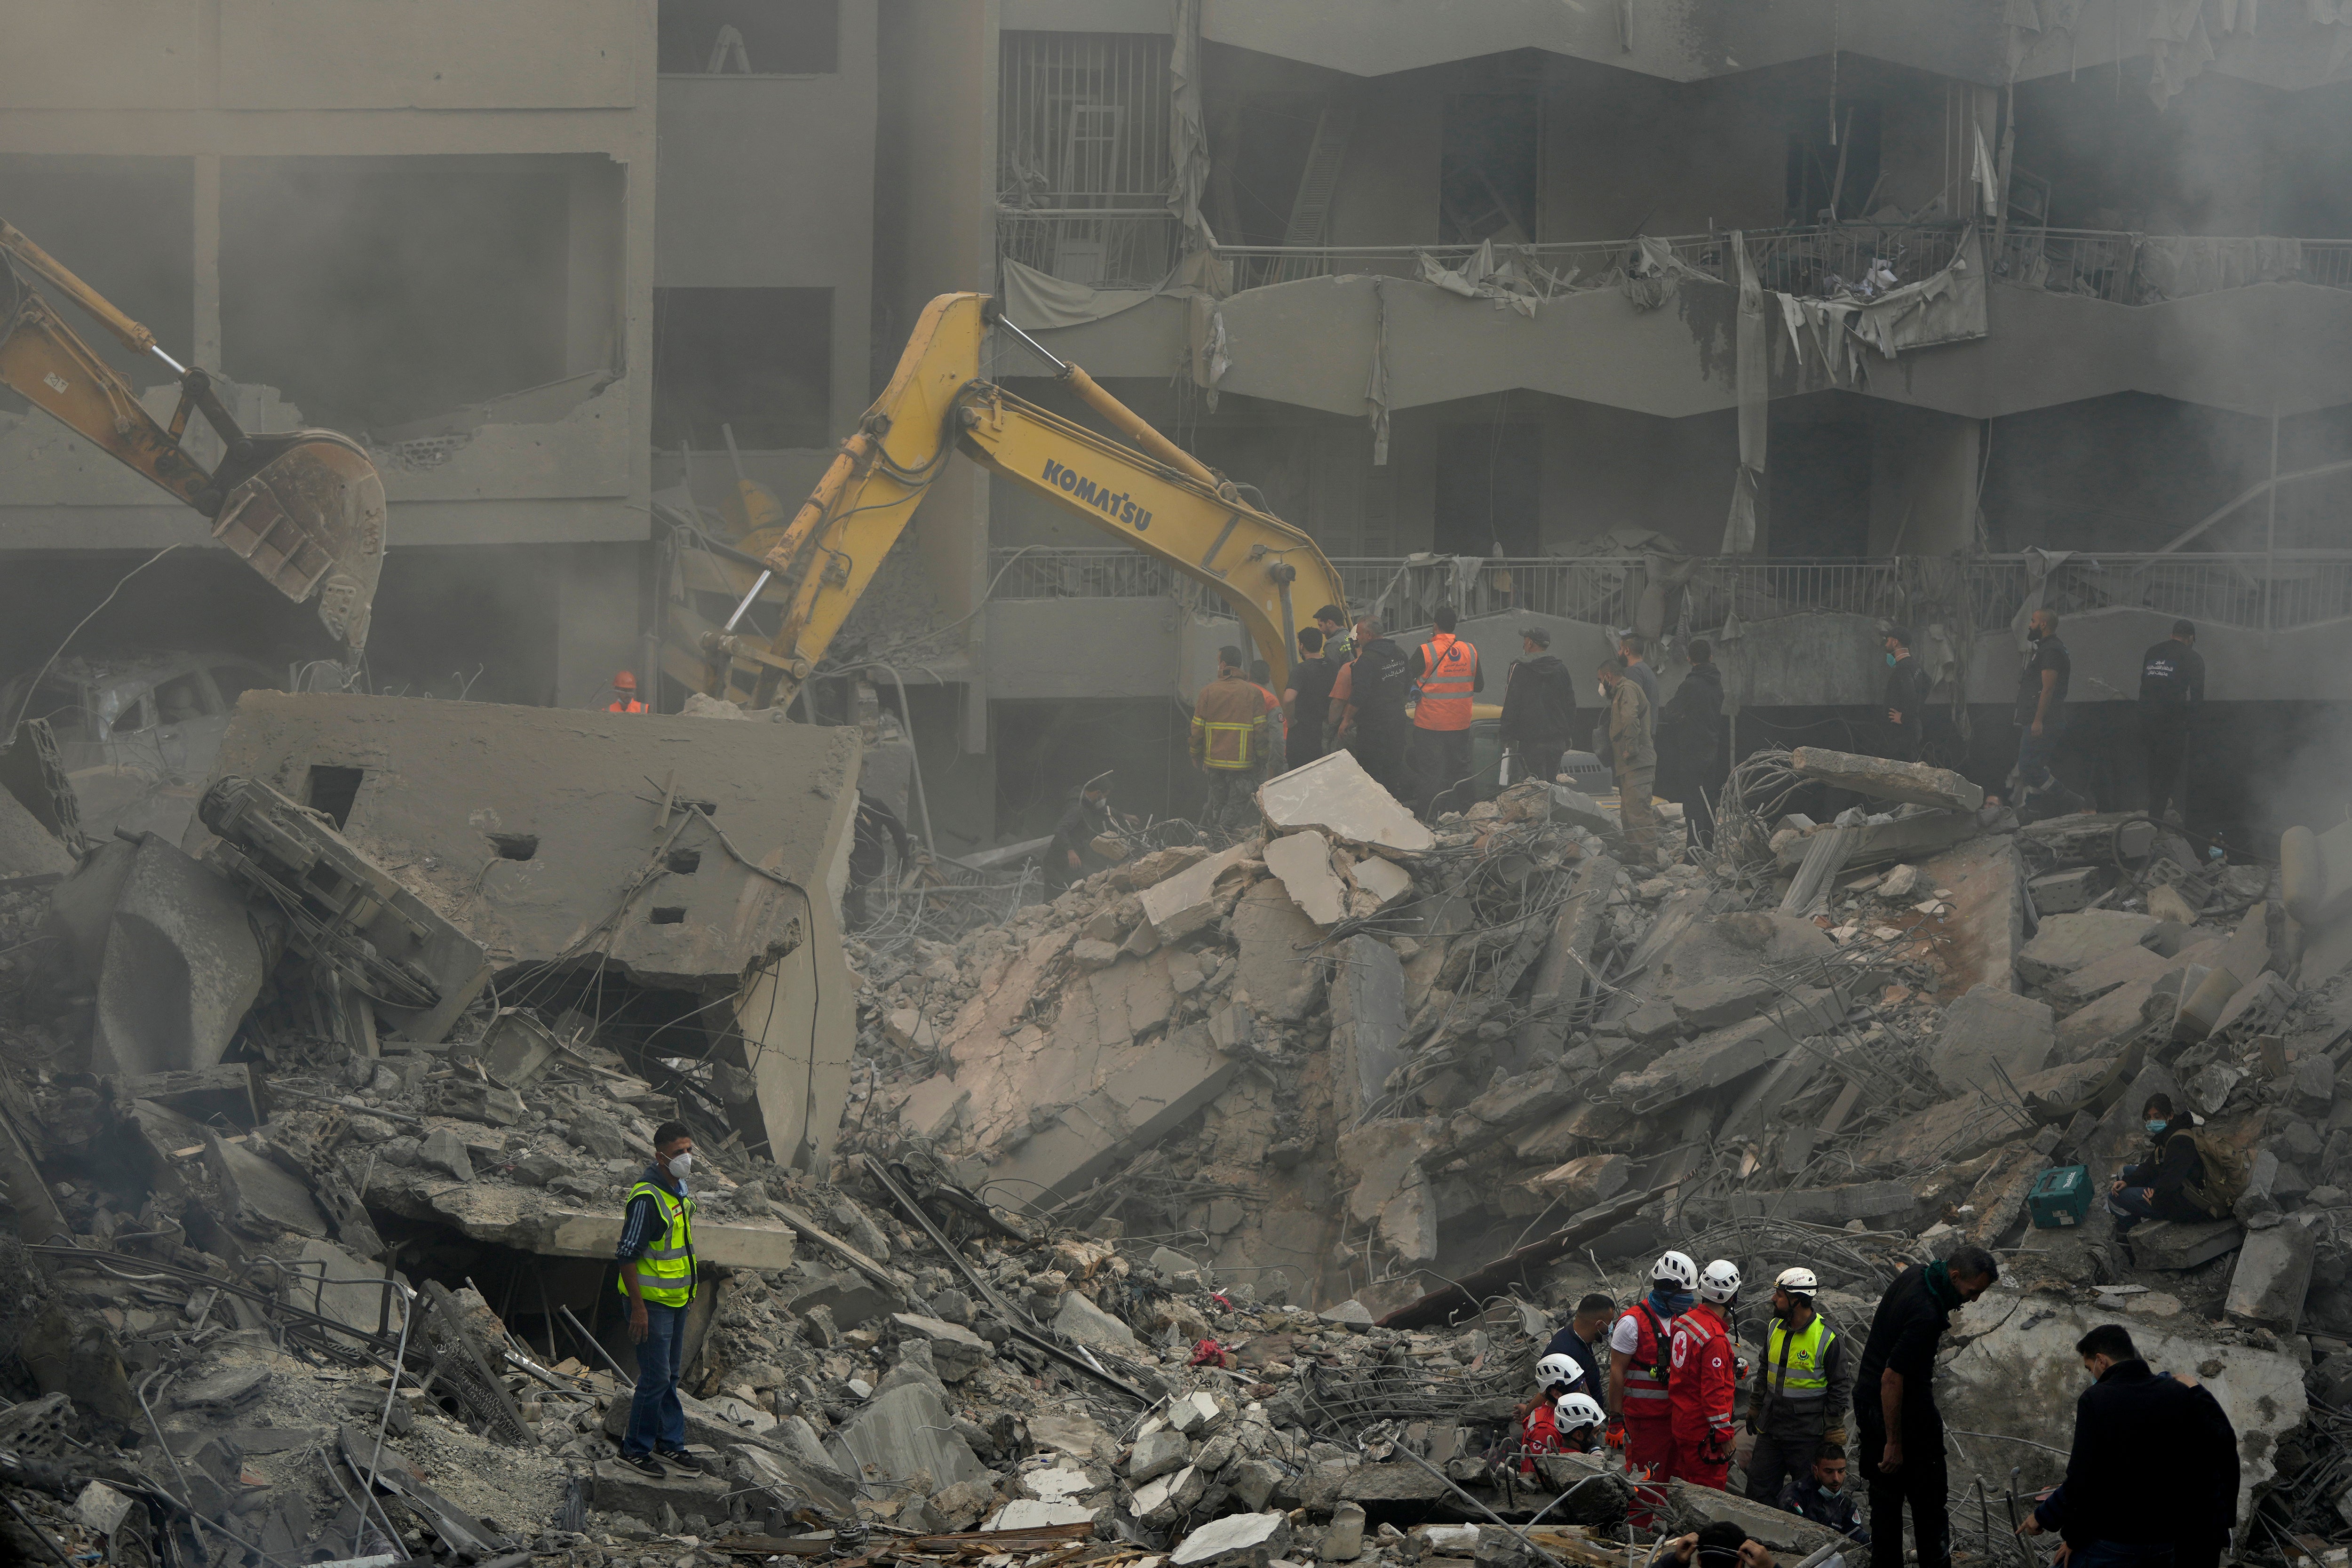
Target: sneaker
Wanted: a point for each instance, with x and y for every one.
(644, 1464)
(682, 1459)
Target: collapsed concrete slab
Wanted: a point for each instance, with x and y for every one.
(1368, 1023)
(2067, 943)
(673, 851)
(2274, 1274)
(1334, 794)
(2015, 1374)
(1182, 903)
(1883, 778)
(1302, 862)
(168, 945)
(904, 1432)
(1281, 971)
(1827, 1205)
(1722, 1055)
(1867, 843)
(2177, 1245)
(1989, 1032)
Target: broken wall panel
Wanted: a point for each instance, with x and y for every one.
(669, 852)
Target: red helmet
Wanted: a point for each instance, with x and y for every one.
(625, 681)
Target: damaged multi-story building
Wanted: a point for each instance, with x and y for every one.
(2037, 307)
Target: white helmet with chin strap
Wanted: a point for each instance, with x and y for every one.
(1799, 1281)
(1720, 1283)
(1556, 1368)
(1676, 1268)
(1576, 1410)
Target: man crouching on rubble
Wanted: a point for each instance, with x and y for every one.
(656, 1259)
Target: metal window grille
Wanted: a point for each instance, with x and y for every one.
(1083, 119)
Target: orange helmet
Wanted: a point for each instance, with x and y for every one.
(625, 681)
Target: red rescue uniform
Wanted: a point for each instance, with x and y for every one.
(1649, 1423)
(1538, 1433)
(1706, 1376)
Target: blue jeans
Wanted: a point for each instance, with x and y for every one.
(2128, 1207)
(657, 1420)
(2036, 753)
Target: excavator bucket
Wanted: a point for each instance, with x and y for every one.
(310, 520)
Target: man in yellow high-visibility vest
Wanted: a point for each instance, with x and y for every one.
(656, 1260)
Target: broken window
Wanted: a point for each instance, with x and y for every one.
(127, 227)
(1837, 174)
(1486, 176)
(760, 360)
(1489, 490)
(749, 37)
(1082, 128)
(372, 291)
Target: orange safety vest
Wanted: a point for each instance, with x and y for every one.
(1450, 666)
(631, 706)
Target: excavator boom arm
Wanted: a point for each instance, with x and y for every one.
(1270, 573)
(305, 508)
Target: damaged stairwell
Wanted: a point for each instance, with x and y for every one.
(1215, 1211)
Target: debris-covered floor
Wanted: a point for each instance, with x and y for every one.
(1213, 1213)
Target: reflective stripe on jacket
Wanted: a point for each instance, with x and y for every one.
(665, 1273)
(1229, 722)
(1645, 1377)
(1449, 671)
(1796, 1366)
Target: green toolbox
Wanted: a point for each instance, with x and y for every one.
(2061, 1196)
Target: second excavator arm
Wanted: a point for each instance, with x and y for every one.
(1159, 499)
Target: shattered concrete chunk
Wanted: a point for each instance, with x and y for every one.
(1156, 1454)
(1236, 1540)
(2274, 1274)
(1827, 1205)
(1385, 881)
(2063, 892)
(1368, 1020)
(1302, 862)
(2175, 1244)
(1184, 902)
(1989, 1031)
(2067, 943)
(1280, 969)
(442, 1149)
(1712, 1004)
(260, 1193)
(901, 1433)
(955, 1350)
(1089, 1324)
(1334, 794)
(933, 1108)
(1883, 778)
(1587, 1183)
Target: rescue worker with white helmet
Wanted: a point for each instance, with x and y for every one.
(1705, 1379)
(1640, 1355)
(1578, 1418)
(1539, 1433)
(1807, 1386)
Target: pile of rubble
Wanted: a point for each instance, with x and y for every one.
(1215, 1211)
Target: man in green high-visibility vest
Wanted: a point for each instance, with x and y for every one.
(656, 1260)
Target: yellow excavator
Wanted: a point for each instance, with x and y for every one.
(304, 507)
(1152, 496)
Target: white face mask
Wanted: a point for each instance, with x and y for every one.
(681, 1162)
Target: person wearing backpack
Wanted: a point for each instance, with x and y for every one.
(2161, 1186)
(1639, 1356)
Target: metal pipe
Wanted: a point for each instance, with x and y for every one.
(906, 720)
(749, 599)
(594, 1344)
(157, 350)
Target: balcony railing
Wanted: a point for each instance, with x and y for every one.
(1103, 247)
(2292, 589)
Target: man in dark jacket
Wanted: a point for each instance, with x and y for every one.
(2171, 685)
(1539, 707)
(1895, 1419)
(1822, 1496)
(2153, 1457)
(1307, 697)
(1368, 707)
(1691, 763)
(1906, 697)
(2157, 1187)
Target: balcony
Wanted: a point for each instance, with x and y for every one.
(1793, 632)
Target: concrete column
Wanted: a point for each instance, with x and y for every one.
(592, 310)
(597, 593)
(205, 350)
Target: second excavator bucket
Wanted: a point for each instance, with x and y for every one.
(310, 520)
